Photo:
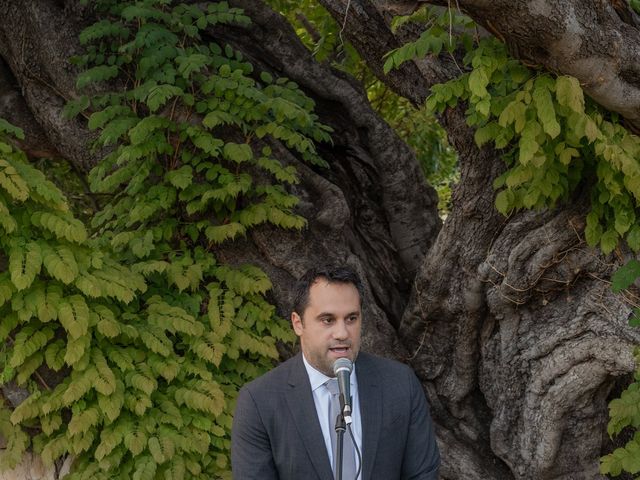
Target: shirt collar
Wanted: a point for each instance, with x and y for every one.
(317, 378)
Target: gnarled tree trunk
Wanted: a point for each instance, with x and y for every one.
(512, 325)
(509, 322)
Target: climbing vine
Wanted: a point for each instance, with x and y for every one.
(150, 329)
(59, 300)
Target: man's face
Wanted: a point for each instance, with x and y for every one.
(330, 325)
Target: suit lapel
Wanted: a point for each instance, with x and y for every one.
(370, 397)
(303, 410)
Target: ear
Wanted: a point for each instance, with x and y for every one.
(296, 321)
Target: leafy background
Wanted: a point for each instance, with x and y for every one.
(128, 334)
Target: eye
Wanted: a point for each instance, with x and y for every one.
(352, 318)
(327, 320)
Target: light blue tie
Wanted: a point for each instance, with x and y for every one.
(348, 452)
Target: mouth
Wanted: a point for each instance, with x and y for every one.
(340, 351)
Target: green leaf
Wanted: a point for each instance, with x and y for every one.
(625, 276)
(160, 94)
(111, 405)
(237, 152)
(99, 119)
(518, 176)
(609, 241)
(514, 112)
(192, 63)
(633, 185)
(76, 348)
(633, 238)
(266, 77)
(146, 127)
(528, 148)
(6, 220)
(24, 265)
(74, 107)
(483, 107)
(54, 355)
(567, 154)
(63, 225)
(591, 130)
(60, 263)
(96, 74)
(388, 64)
(593, 230)
(6, 127)
(631, 461)
(73, 314)
(12, 182)
(624, 218)
(207, 143)
(156, 340)
(115, 129)
(610, 465)
(145, 468)
(546, 111)
(504, 201)
(180, 178)
(101, 29)
(487, 133)
(220, 233)
(478, 81)
(142, 246)
(569, 93)
(156, 450)
(215, 118)
(84, 420)
(531, 198)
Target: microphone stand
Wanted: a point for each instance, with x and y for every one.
(341, 427)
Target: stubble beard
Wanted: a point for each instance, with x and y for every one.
(324, 364)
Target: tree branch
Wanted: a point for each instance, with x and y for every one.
(593, 40)
(37, 38)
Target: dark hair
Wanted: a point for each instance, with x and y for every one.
(331, 273)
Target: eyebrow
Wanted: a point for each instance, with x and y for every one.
(332, 315)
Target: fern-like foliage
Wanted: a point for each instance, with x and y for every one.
(152, 333)
(48, 317)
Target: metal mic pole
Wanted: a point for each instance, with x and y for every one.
(340, 429)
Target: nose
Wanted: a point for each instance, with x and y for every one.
(340, 331)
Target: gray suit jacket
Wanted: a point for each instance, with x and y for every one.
(276, 434)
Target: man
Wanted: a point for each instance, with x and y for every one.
(282, 428)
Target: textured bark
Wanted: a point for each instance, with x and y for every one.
(512, 325)
(36, 41)
(509, 322)
(517, 336)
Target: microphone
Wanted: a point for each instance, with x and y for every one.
(342, 369)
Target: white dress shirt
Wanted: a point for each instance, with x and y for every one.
(322, 399)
